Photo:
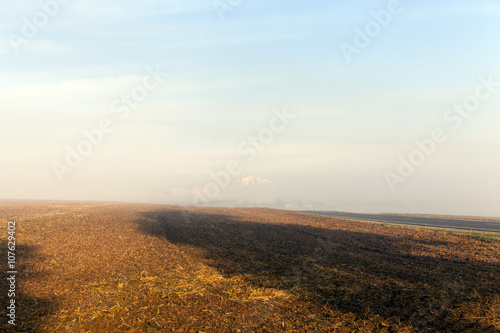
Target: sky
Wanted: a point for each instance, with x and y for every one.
(361, 106)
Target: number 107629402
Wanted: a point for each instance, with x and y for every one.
(11, 255)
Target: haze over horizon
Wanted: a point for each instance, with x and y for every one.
(366, 106)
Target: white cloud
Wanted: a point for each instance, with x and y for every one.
(73, 96)
(252, 181)
(45, 47)
(130, 8)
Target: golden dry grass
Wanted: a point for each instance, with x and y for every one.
(152, 268)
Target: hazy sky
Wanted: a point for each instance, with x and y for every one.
(367, 106)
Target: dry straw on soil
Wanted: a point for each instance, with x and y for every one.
(149, 268)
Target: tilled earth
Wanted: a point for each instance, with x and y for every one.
(101, 267)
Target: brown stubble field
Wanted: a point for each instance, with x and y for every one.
(151, 268)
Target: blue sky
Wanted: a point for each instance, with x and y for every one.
(224, 81)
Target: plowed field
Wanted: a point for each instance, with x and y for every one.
(152, 268)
